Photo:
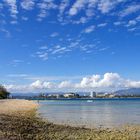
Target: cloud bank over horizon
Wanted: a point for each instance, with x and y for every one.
(106, 82)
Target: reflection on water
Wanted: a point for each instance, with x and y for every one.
(106, 113)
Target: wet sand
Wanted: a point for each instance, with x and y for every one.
(18, 121)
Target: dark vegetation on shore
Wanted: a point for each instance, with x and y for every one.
(3, 92)
(30, 127)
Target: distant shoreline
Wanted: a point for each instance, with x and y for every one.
(122, 98)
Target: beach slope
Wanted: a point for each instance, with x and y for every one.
(19, 121)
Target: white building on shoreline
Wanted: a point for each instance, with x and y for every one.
(93, 94)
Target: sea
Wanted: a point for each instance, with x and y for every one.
(91, 113)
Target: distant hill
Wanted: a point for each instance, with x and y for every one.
(131, 91)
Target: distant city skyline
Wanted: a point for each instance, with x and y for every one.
(62, 45)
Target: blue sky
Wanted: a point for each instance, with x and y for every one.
(58, 45)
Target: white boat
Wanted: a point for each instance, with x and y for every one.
(89, 101)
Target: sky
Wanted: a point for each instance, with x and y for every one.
(69, 45)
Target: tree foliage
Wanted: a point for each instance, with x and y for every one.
(3, 92)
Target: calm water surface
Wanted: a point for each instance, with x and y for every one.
(105, 112)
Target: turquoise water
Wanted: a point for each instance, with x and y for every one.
(105, 112)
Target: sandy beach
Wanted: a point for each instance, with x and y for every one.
(19, 121)
(16, 106)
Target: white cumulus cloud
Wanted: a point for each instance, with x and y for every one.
(89, 29)
(108, 81)
(77, 6)
(130, 10)
(27, 4)
(12, 7)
